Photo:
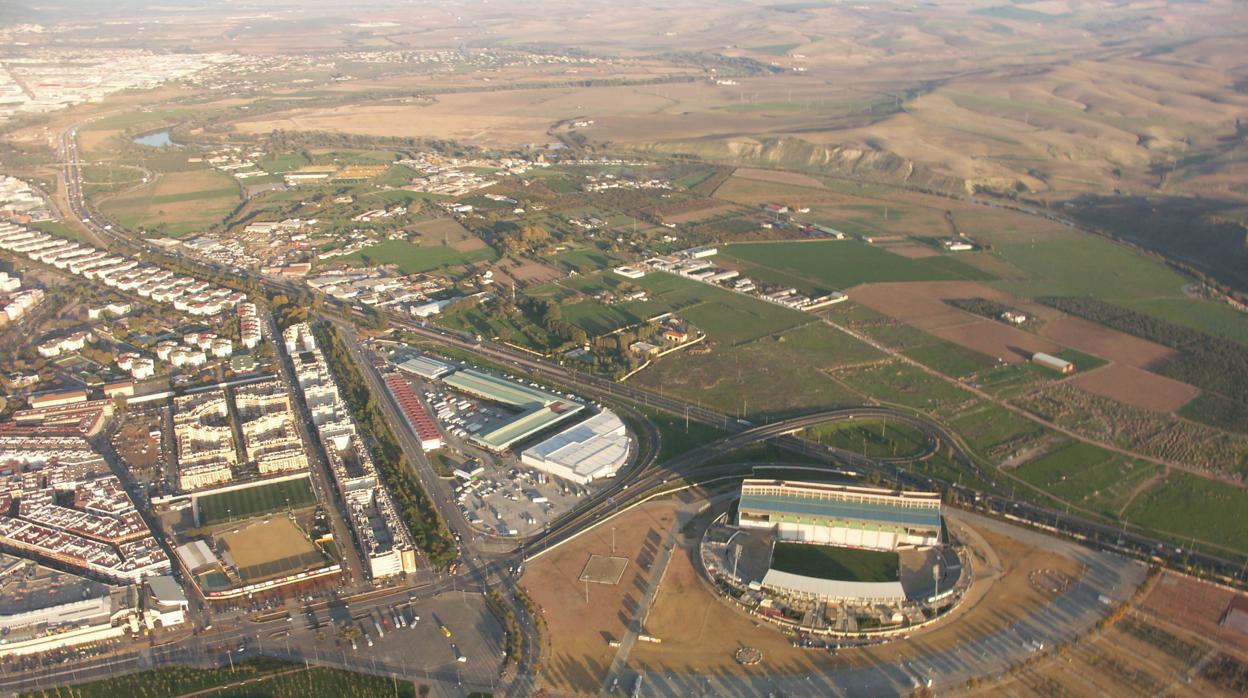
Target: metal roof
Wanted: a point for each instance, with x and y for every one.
(832, 509)
(498, 389)
(526, 425)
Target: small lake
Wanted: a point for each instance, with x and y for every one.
(156, 139)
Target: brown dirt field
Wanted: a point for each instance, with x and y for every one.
(1195, 606)
(701, 632)
(90, 140)
(579, 657)
(913, 251)
(699, 214)
(794, 178)
(1102, 341)
(995, 339)
(1137, 387)
(531, 272)
(921, 303)
(448, 231)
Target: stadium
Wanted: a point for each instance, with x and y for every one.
(836, 558)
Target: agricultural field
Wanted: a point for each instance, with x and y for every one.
(725, 316)
(1189, 507)
(995, 432)
(413, 259)
(871, 438)
(176, 203)
(1141, 430)
(779, 374)
(1088, 476)
(254, 501)
(902, 384)
(829, 562)
(834, 265)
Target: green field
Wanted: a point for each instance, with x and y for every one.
(994, 429)
(770, 376)
(176, 203)
(1188, 506)
(678, 436)
(832, 265)
(414, 259)
(725, 316)
(904, 384)
(130, 120)
(1087, 475)
(951, 359)
(1087, 266)
(828, 562)
(254, 501)
(262, 678)
(872, 438)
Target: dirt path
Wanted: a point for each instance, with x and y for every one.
(1148, 482)
(1028, 415)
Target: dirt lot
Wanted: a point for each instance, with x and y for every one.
(527, 271)
(1137, 387)
(1112, 664)
(1195, 606)
(1116, 346)
(579, 655)
(794, 178)
(701, 632)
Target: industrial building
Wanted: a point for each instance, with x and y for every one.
(539, 410)
(844, 515)
(425, 367)
(596, 448)
(1053, 362)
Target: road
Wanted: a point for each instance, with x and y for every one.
(481, 567)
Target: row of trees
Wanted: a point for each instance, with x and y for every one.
(1216, 365)
(414, 505)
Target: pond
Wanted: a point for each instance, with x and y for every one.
(156, 139)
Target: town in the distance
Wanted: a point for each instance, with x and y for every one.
(442, 348)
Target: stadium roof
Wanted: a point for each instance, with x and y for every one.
(834, 589)
(839, 510)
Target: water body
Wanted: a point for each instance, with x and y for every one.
(156, 139)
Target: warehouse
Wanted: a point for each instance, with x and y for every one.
(539, 410)
(593, 449)
(425, 367)
(1053, 362)
(844, 515)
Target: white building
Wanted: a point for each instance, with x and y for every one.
(594, 449)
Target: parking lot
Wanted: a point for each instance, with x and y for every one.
(453, 636)
(501, 497)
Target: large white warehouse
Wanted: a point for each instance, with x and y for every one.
(595, 448)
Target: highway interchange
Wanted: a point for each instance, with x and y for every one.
(488, 564)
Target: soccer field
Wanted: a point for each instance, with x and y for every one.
(830, 562)
(254, 501)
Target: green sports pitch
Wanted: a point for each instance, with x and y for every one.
(254, 501)
(830, 562)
